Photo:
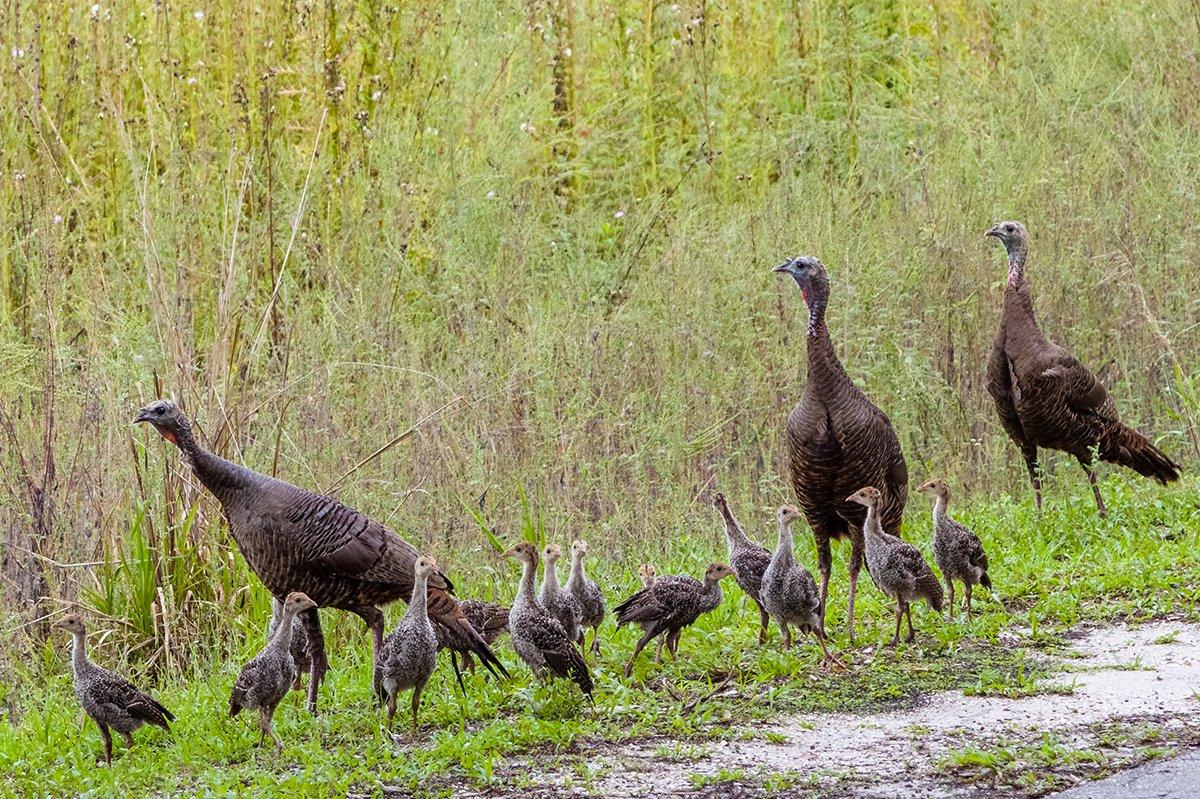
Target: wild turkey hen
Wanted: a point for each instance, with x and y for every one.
(1046, 398)
(297, 540)
(838, 441)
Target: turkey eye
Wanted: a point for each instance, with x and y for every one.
(159, 411)
(1008, 228)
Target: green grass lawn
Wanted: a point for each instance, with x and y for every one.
(1050, 572)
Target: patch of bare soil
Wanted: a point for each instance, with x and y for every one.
(1133, 691)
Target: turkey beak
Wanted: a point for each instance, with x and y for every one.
(784, 268)
(993, 231)
(142, 416)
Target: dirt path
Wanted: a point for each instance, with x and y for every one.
(1132, 696)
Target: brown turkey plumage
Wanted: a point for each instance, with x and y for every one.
(957, 551)
(108, 698)
(897, 568)
(267, 678)
(838, 441)
(537, 637)
(1048, 399)
(489, 619)
(298, 540)
(668, 605)
(748, 559)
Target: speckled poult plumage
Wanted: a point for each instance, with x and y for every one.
(489, 619)
(646, 574)
(587, 594)
(790, 592)
(957, 551)
(559, 603)
(1046, 398)
(670, 604)
(267, 678)
(299, 647)
(897, 568)
(297, 540)
(838, 441)
(108, 698)
(409, 653)
(538, 638)
(748, 559)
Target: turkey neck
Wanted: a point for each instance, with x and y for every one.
(550, 578)
(783, 550)
(737, 536)
(576, 577)
(79, 658)
(418, 606)
(871, 525)
(218, 475)
(1019, 318)
(283, 633)
(824, 368)
(940, 502)
(525, 593)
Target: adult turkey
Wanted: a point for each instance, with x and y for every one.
(297, 540)
(1046, 398)
(838, 441)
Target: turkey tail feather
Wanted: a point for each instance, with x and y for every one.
(447, 611)
(931, 587)
(1127, 447)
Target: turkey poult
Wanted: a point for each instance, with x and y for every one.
(409, 653)
(108, 698)
(489, 619)
(297, 540)
(557, 602)
(748, 559)
(956, 550)
(790, 593)
(587, 594)
(670, 604)
(897, 568)
(537, 637)
(299, 647)
(267, 678)
(646, 573)
(1046, 398)
(838, 441)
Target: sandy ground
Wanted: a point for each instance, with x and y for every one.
(1121, 677)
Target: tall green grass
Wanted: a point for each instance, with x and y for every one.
(315, 223)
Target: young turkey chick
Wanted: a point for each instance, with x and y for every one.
(409, 654)
(956, 549)
(646, 572)
(538, 638)
(587, 594)
(670, 604)
(896, 567)
(558, 603)
(789, 591)
(299, 648)
(107, 697)
(748, 559)
(268, 677)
